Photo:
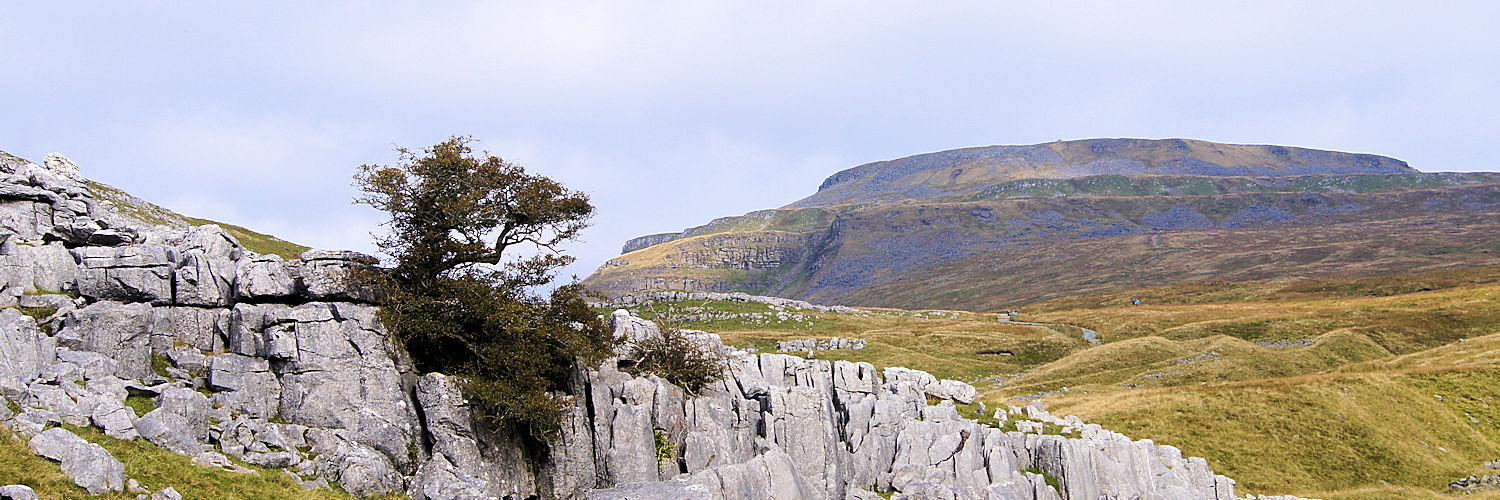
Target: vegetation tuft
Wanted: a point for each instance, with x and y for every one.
(677, 358)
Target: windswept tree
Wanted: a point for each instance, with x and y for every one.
(473, 239)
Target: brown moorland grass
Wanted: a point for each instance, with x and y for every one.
(1323, 388)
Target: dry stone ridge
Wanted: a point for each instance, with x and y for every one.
(280, 364)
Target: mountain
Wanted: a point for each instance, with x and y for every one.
(994, 227)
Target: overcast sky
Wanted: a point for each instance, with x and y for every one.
(669, 114)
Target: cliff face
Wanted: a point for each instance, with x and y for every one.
(281, 364)
(989, 228)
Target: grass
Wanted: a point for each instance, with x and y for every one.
(141, 404)
(155, 468)
(150, 214)
(1343, 406)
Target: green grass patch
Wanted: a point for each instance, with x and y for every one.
(1051, 480)
(141, 404)
(155, 468)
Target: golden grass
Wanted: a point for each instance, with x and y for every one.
(1348, 411)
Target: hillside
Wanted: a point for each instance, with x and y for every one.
(1086, 216)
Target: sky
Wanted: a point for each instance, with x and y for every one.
(670, 114)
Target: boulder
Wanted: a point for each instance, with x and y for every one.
(24, 349)
(137, 273)
(55, 444)
(213, 242)
(95, 470)
(168, 493)
(324, 275)
(189, 404)
(119, 331)
(439, 479)
(361, 470)
(17, 492)
(90, 466)
(169, 430)
(261, 278)
(247, 383)
(204, 281)
(117, 420)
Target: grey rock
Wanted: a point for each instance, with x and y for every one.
(91, 365)
(189, 404)
(439, 479)
(17, 492)
(94, 469)
(31, 421)
(117, 420)
(342, 374)
(38, 268)
(324, 275)
(55, 399)
(55, 444)
(137, 273)
(263, 278)
(168, 430)
(90, 466)
(773, 475)
(203, 329)
(249, 385)
(168, 493)
(656, 490)
(449, 422)
(217, 461)
(24, 349)
(213, 242)
(201, 280)
(361, 470)
(119, 331)
(273, 460)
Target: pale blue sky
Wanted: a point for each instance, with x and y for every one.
(672, 113)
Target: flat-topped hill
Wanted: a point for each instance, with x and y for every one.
(959, 171)
(992, 227)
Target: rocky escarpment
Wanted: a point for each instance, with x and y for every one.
(222, 340)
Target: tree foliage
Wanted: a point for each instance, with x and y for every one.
(460, 293)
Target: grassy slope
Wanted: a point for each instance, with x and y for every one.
(155, 468)
(150, 214)
(1352, 414)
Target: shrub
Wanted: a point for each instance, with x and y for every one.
(677, 358)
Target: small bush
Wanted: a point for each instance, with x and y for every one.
(664, 451)
(675, 357)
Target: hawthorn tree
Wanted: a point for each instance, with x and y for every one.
(473, 239)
